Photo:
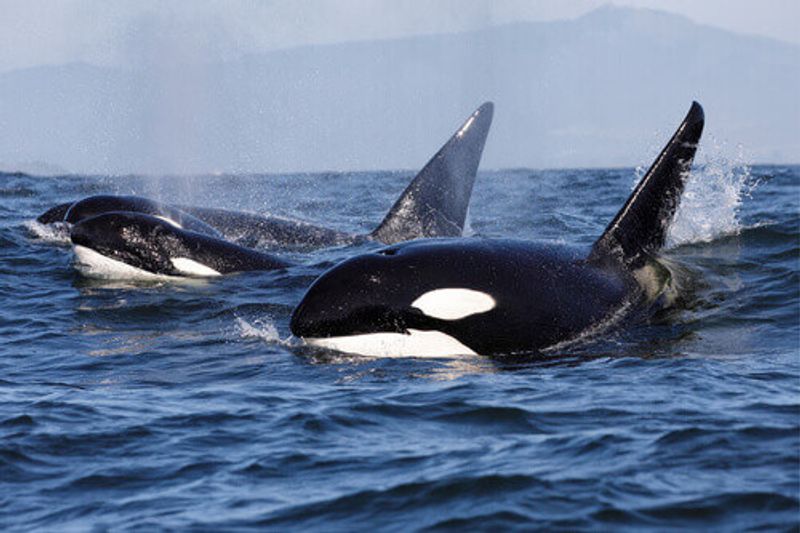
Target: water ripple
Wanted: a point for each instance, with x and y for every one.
(190, 407)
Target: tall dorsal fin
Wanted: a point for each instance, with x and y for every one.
(435, 203)
(641, 225)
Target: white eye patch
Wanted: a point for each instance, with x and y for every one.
(190, 267)
(454, 304)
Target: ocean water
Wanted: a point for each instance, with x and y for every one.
(189, 405)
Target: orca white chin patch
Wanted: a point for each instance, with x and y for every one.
(190, 267)
(415, 343)
(454, 303)
(93, 264)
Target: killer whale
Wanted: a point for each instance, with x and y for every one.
(137, 245)
(122, 236)
(97, 205)
(245, 229)
(434, 204)
(447, 297)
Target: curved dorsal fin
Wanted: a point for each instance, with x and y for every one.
(641, 225)
(435, 203)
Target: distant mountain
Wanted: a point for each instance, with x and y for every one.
(605, 89)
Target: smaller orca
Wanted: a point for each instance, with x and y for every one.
(447, 297)
(434, 204)
(137, 245)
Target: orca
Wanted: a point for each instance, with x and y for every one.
(434, 204)
(137, 245)
(55, 214)
(96, 205)
(475, 296)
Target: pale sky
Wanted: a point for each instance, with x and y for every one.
(102, 32)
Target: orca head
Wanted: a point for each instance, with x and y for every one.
(140, 241)
(399, 300)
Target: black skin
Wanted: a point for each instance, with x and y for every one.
(245, 229)
(54, 214)
(96, 205)
(148, 243)
(544, 294)
(249, 229)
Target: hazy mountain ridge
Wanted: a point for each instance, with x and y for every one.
(604, 89)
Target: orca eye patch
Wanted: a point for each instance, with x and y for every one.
(454, 303)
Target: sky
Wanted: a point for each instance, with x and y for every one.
(102, 32)
(191, 86)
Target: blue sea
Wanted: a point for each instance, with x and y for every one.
(189, 406)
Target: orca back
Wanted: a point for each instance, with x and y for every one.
(96, 205)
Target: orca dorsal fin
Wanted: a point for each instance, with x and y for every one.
(640, 227)
(435, 203)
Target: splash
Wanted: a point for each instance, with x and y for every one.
(713, 198)
(263, 329)
(57, 233)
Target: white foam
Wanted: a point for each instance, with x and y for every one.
(415, 343)
(93, 264)
(190, 267)
(57, 232)
(260, 329)
(454, 303)
(263, 329)
(712, 199)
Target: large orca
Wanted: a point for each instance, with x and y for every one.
(433, 205)
(138, 245)
(445, 297)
